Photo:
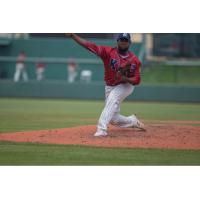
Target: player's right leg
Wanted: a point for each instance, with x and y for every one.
(116, 95)
(100, 131)
(125, 121)
(17, 72)
(25, 75)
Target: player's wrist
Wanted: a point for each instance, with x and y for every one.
(71, 35)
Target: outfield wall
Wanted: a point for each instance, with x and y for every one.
(61, 89)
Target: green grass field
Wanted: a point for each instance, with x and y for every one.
(179, 75)
(35, 114)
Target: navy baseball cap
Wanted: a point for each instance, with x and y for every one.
(124, 36)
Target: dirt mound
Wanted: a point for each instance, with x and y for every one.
(158, 135)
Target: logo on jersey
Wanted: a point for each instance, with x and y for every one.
(132, 68)
(113, 64)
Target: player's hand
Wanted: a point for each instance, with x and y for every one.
(124, 78)
(118, 75)
(122, 71)
(69, 34)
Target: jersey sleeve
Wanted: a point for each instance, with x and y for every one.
(137, 76)
(100, 51)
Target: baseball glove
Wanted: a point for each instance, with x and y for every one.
(124, 70)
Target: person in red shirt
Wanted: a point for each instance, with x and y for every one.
(21, 68)
(40, 69)
(118, 85)
(72, 68)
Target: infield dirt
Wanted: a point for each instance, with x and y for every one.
(159, 134)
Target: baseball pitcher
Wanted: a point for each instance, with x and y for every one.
(122, 73)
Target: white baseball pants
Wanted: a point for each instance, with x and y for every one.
(111, 112)
(20, 69)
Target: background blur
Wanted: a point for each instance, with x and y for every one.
(53, 66)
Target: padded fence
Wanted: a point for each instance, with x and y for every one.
(62, 89)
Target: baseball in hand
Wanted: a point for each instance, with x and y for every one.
(69, 34)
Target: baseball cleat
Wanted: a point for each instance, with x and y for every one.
(100, 133)
(139, 124)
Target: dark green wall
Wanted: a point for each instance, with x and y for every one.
(55, 85)
(61, 89)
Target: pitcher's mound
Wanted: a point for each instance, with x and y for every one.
(158, 135)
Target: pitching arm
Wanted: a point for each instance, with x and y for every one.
(98, 50)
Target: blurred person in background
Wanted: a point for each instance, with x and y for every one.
(6, 35)
(21, 36)
(72, 68)
(40, 69)
(21, 68)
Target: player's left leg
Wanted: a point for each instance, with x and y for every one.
(25, 75)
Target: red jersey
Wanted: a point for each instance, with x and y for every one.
(40, 65)
(21, 58)
(113, 60)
